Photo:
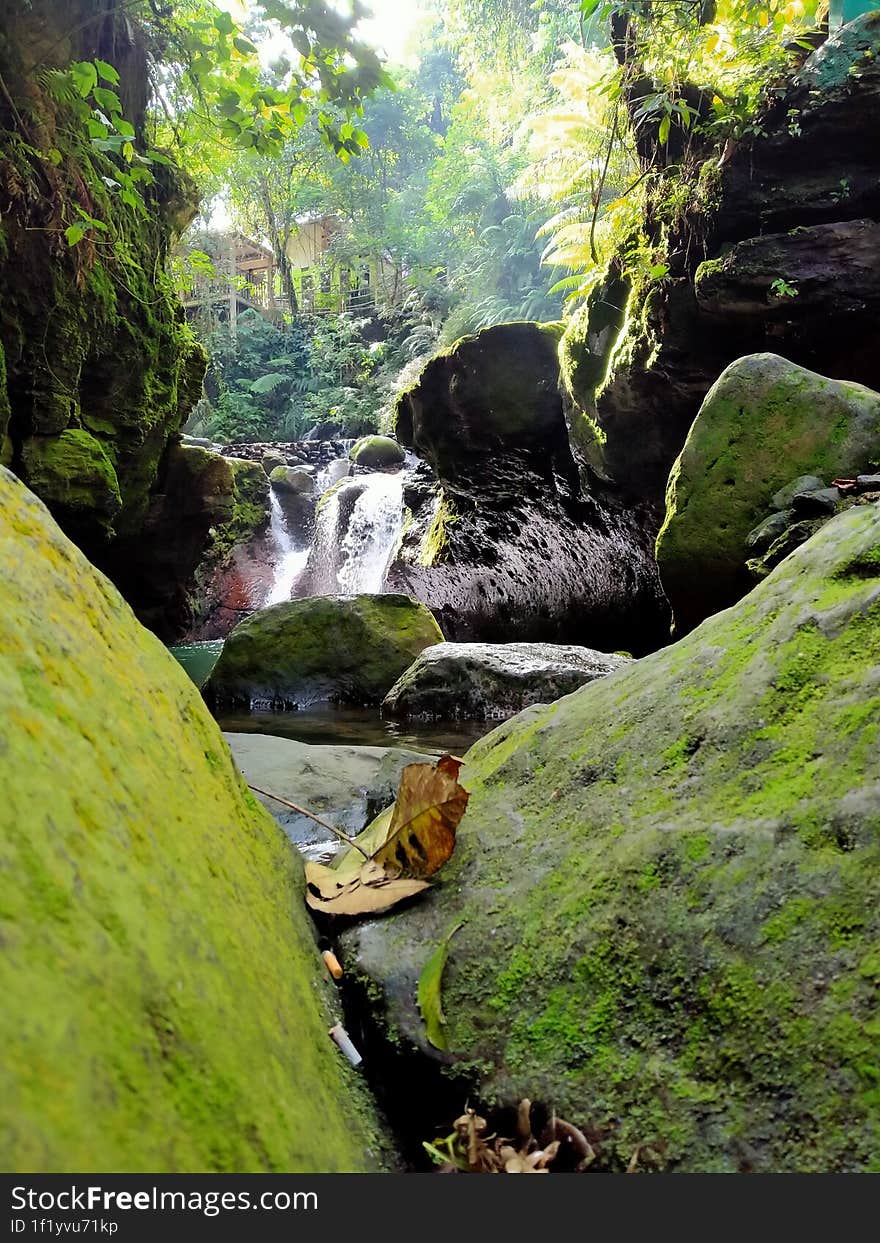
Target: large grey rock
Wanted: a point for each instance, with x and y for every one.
(483, 681)
(297, 479)
(346, 786)
(665, 889)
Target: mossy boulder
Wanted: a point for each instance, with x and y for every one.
(72, 473)
(764, 421)
(300, 480)
(497, 390)
(666, 891)
(345, 649)
(250, 501)
(162, 993)
(376, 452)
(482, 681)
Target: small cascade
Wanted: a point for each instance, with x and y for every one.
(290, 561)
(373, 531)
(357, 530)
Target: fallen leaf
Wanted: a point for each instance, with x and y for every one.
(324, 892)
(392, 858)
(429, 993)
(430, 805)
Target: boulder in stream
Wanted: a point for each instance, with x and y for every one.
(341, 649)
(297, 479)
(665, 889)
(510, 538)
(164, 1004)
(376, 452)
(482, 681)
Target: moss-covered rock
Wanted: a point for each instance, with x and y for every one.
(299, 480)
(497, 390)
(250, 512)
(93, 335)
(376, 452)
(667, 890)
(74, 476)
(764, 421)
(346, 649)
(162, 994)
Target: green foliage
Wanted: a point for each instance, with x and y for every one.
(636, 111)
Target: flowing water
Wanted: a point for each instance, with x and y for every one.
(355, 540)
(290, 561)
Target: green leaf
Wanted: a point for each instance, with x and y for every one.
(108, 100)
(243, 45)
(429, 992)
(123, 127)
(74, 233)
(268, 383)
(224, 23)
(663, 131)
(85, 77)
(107, 72)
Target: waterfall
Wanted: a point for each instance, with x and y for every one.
(373, 530)
(357, 530)
(289, 560)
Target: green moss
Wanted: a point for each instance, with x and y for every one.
(344, 649)
(74, 475)
(94, 338)
(376, 451)
(676, 869)
(730, 467)
(163, 999)
(436, 539)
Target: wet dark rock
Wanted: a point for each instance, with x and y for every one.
(780, 253)
(505, 543)
(804, 483)
(763, 535)
(345, 785)
(815, 504)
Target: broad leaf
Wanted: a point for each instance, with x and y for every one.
(430, 805)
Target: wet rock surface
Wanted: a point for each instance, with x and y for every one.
(486, 681)
(346, 785)
(504, 544)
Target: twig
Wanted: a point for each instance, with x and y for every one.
(343, 837)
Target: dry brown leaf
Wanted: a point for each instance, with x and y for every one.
(528, 1163)
(430, 805)
(407, 844)
(356, 897)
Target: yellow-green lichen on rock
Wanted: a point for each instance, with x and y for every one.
(763, 423)
(669, 890)
(162, 993)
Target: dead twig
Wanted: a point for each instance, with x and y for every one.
(325, 824)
